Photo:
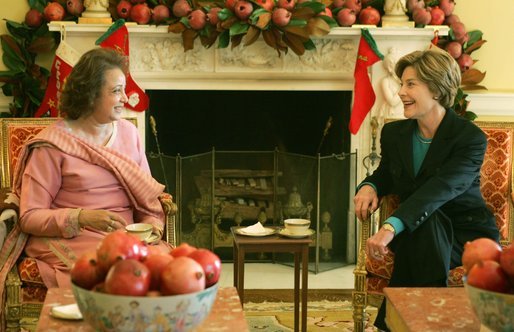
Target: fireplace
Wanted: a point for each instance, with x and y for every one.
(158, 62)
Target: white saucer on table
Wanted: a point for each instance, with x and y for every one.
(265, 232)
(285, 232)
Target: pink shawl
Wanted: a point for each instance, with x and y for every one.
(143, 190)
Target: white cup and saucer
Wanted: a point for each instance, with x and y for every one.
(142, 231)
(296, 228)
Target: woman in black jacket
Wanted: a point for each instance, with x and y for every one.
(432, 162)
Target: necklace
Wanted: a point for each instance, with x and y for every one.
(421, 139)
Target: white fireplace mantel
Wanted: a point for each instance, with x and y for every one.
(158, 61)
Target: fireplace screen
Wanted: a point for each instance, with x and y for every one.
(220, 189)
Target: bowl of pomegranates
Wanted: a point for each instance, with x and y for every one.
(489, 282)
(128, 285)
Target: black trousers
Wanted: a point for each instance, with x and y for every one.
(422, 258)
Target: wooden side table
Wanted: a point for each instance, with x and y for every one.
(226, 314)
(275, 243)
(430, 309)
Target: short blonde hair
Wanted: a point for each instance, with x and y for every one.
(437, 69)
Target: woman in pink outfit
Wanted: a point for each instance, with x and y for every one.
(84, 176)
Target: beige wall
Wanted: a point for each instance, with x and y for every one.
(495, 57)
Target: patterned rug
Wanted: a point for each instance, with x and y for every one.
(322, 316)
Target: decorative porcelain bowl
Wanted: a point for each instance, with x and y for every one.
(142, 231)
(106, 312)
(297, 226)
(494, 310)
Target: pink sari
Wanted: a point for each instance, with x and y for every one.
(47, 230)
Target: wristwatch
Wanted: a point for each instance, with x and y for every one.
(389, 227)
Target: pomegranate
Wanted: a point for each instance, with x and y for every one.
(183, 249)
(210, 263)
(507, 261)
(160, 13)
(454, 48)
(181, 8)
(128, 277)
(182, 275)
(286, 4)
(437, 16)
(369, 15)
(338, 3)
(346, 17)
(480, 249)
(421, 16)
(243, 9)
(447, 6)
(281, 17)
(33, 18)
(212, 15)
(141, 13)
(119, 245)
(326, 12)
(451, 19)
(465, 62)
(413, 4)
(74, 7)
(155, 264)
(53, 12)
(84, 272)
(356, 5)
(266, 4)
(488, 275)
(230, 4)
(197, 19)
(458, 29)
(123, 9)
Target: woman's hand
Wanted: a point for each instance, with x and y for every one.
(365, 201)
(376, 246)
(102, 220)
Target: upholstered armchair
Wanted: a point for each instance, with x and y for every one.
(25, 290)
(371, 275)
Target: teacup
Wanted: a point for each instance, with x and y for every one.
(142, 231)
(297, 226)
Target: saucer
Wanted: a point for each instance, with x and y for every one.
(152, 238)
(267, 231)
(286, 233)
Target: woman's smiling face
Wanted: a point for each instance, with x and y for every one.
(109, 106)
(417, 99)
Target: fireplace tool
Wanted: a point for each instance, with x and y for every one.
(369, 161)
(153, 125)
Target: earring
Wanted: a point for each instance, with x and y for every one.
(436, 98)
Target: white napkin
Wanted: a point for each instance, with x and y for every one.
(69, 311)
(255, 229)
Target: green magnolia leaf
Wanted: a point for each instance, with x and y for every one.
(315, 6)
(41, 45)
(295, 43)
(256, 13)
(19, 31)
(239, 28)
(185, 22)
(303, 13)
(309, 45)
(263, 21)
(318, 27)
(7, 89)
(12, 62)
(475, 46)
(470, 115)
(38, 4)
(224, 14)
(297, 23)
(330, 21)
(224, 39)
(474, 36)
(252, 35)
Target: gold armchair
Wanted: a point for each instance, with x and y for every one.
(24, 288)
(371, 276)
